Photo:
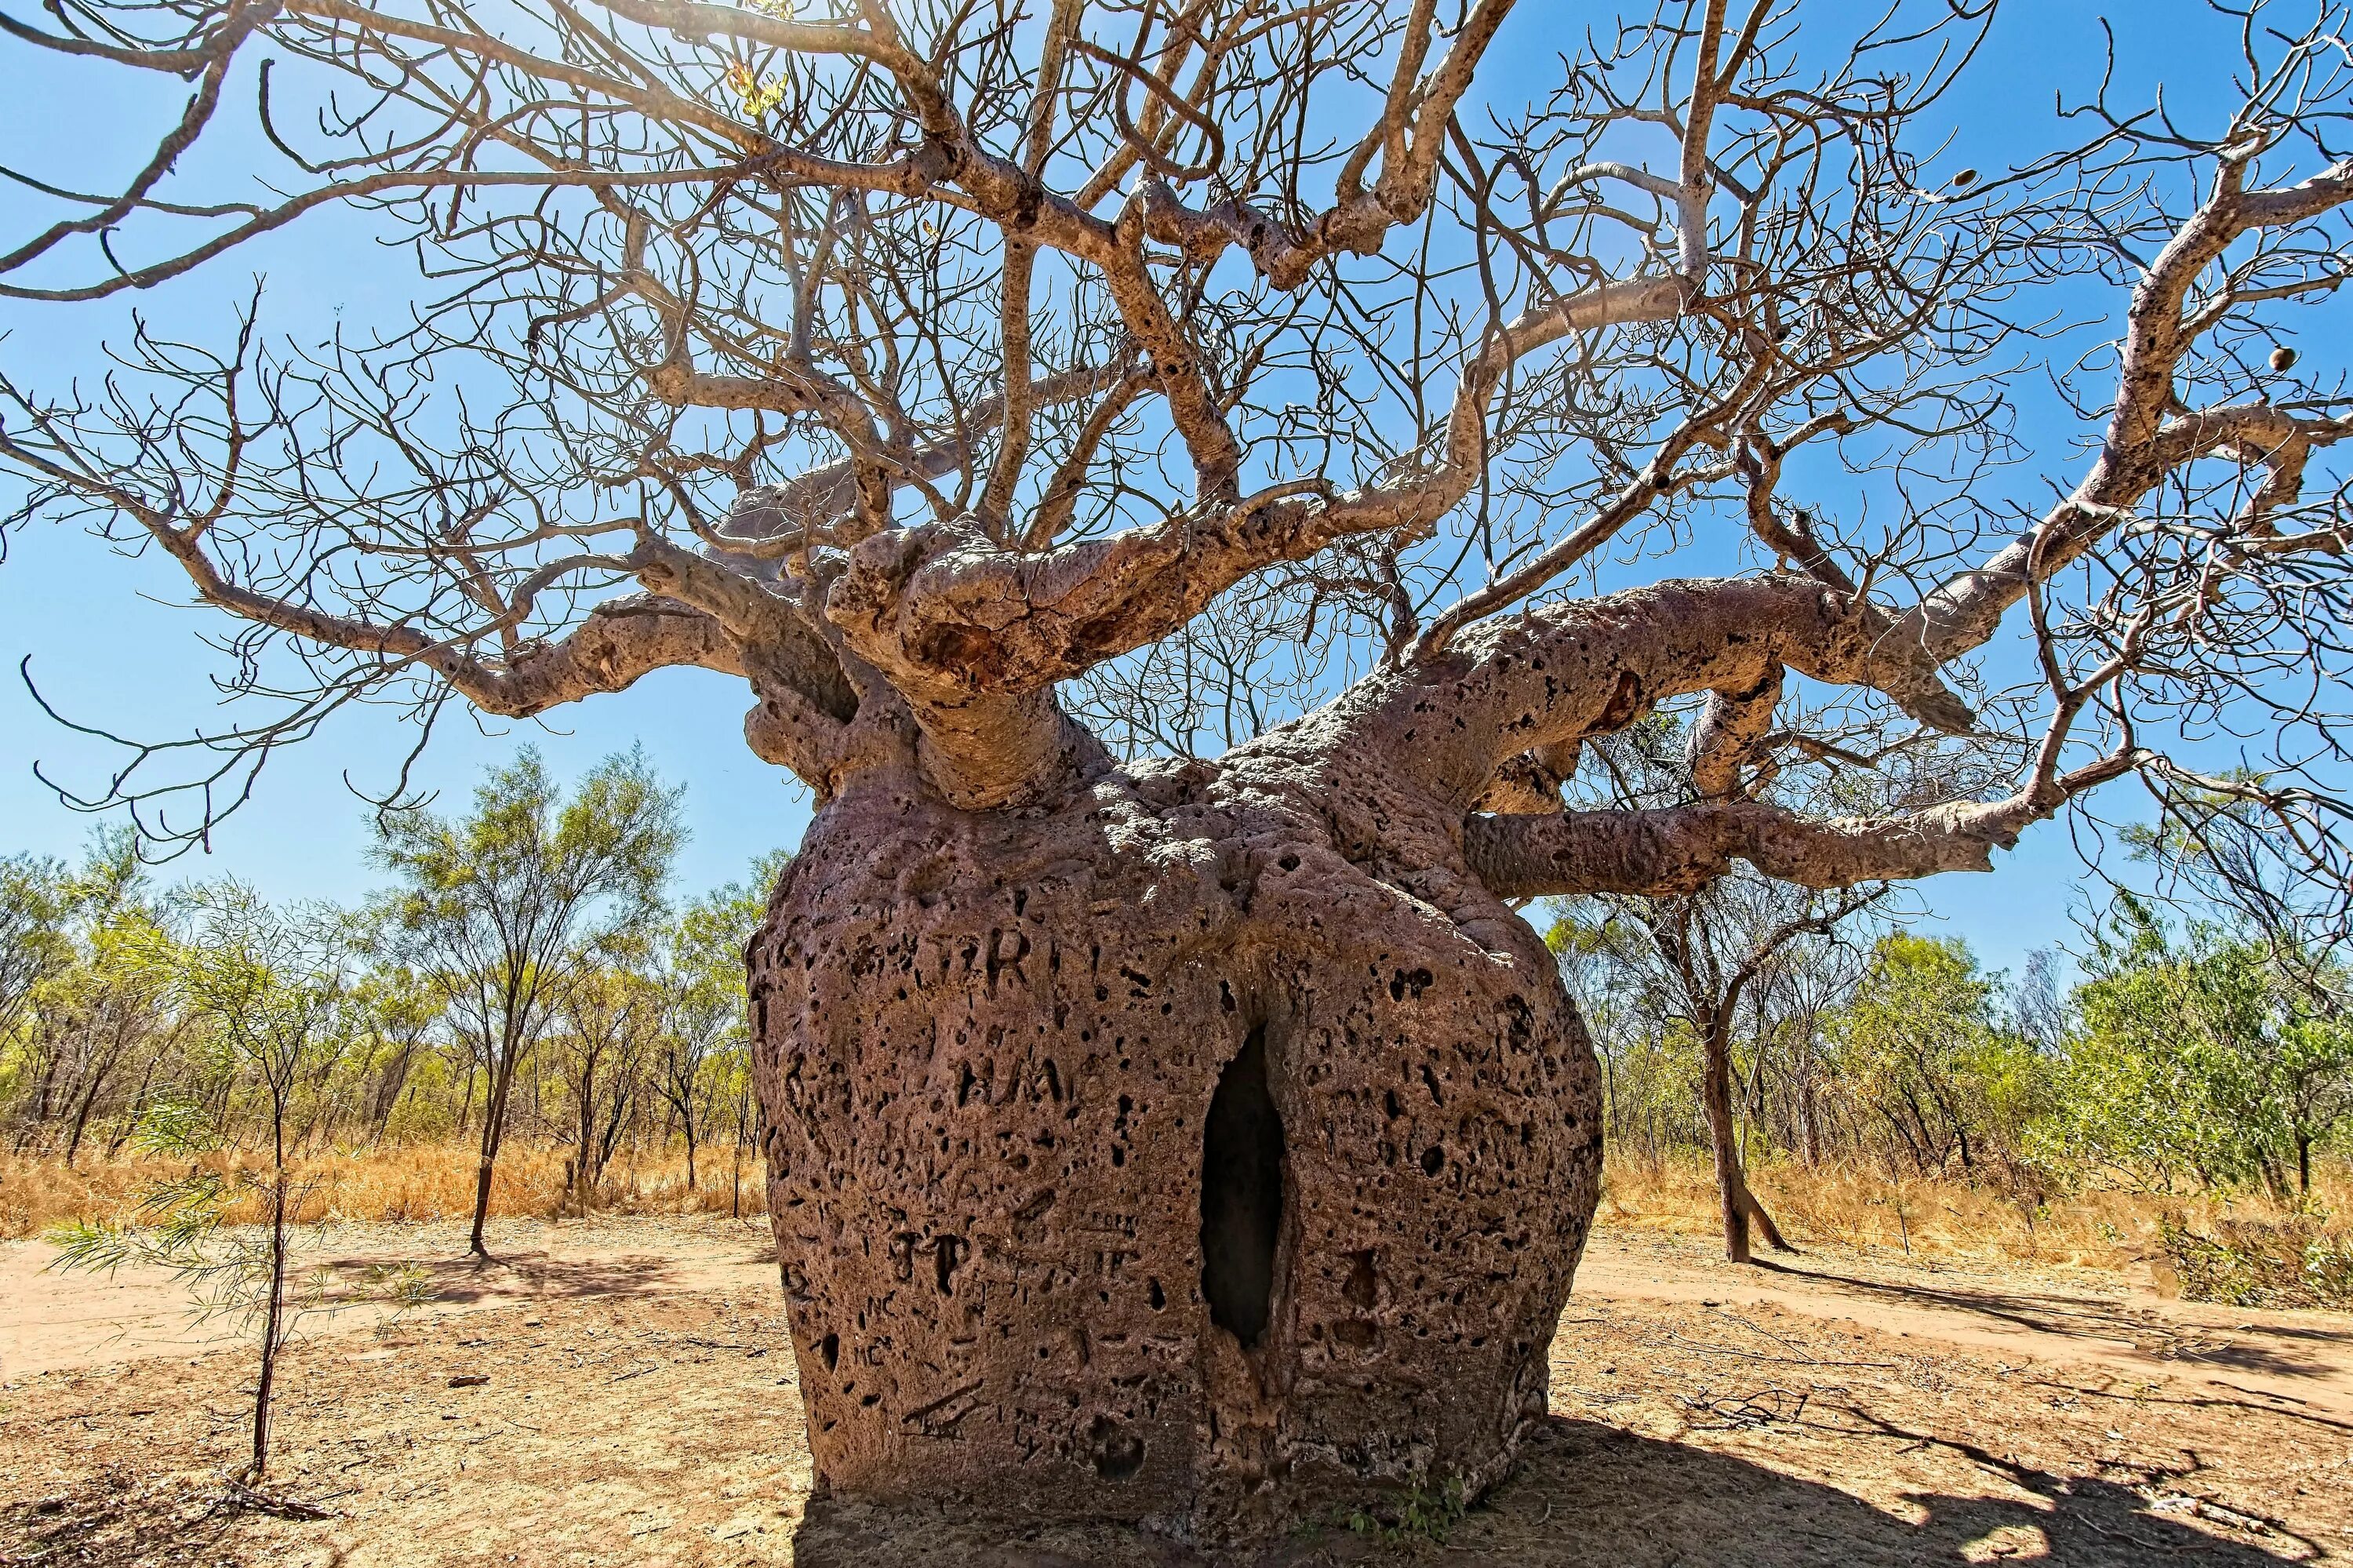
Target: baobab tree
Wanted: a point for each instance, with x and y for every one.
(1156, 470)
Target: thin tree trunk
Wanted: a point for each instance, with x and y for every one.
(43, 1091)
(389, 1087)
(494, 1118)
(81, 1112)
(130, 1120)
(1716, 1097)
(586, 1123)
(274, 1313)
(1738, 1204)
(1773, 1237)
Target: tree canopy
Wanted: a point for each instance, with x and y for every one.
(996, 390)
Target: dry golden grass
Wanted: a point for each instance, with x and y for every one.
(1861, 1206)
(1850, 1205)
(416, 1182)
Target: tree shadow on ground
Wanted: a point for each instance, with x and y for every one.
(527, 1276)
(114, 1518)
(1589, 1496)
(2282, 1350)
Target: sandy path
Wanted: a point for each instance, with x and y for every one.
(54, 1320)
(2072, 1317)
(51, 1320)
(612, 1393)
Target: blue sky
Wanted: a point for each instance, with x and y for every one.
(109, 643)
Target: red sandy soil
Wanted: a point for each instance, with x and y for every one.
(641, 1408)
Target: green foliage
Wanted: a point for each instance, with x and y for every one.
(2213, 1056)
(706, 1033)
(95, 953)
(2197, 1053)
(1425, 1513)
(35, 895)
(2246, 1263)
(1922, 1045)
(528, 947)
(404, 1285)
(501, 909)
(503, 900)
(179, 1223)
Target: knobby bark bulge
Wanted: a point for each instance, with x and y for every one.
(1151, 1159)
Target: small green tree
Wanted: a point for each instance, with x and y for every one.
(396, 1013)
(706, 1036)
(2207, 1052)
(608, 1018)
(498, 909)
(100, 1009)
(34, 898)
(271, 987)
(1922, 1045)
(701, 1024)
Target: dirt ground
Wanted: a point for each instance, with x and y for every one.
(639, 1407)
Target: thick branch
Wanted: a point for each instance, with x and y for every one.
(946, 603)
(1562, 672)
(1679, 849)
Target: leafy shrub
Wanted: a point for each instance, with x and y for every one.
(1425, 1513)
(2250, 1263)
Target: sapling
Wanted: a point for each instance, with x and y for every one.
(269, 986)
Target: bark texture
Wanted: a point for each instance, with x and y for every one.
(1167, 1155)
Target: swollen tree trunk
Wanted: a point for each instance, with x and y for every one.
(1162, 1156)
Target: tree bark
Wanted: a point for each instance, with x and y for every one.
(1172, 1155)
(1738, 1204)
(494, 1121)
(1716, 1097)
(99, 1073)
(273, 1321)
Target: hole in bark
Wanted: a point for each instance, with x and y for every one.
(1362, 1285)
(828, 1350)
(1118, 1455)
(1433, 1161)
(1241, 1194)
(1157, 1296)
